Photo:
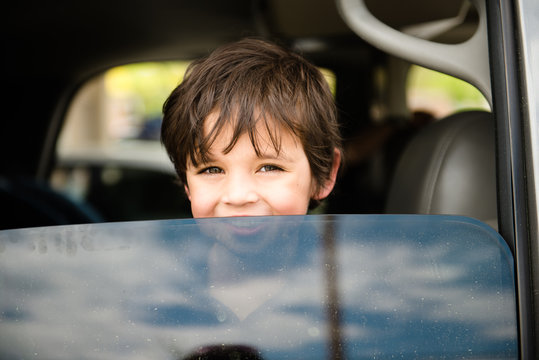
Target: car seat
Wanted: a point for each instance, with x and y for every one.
(448, 168)
(26, 202)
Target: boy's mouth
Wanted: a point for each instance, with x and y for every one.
(246, 234)
(244, 225)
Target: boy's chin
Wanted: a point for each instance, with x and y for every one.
(245, 234)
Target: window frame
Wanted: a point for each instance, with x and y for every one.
(513, 211)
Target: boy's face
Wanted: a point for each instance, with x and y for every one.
(240, 183)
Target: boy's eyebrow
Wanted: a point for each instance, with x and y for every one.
(209, 157)
(203, 161)
(274, 156)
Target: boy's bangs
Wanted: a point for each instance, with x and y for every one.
(245, 118)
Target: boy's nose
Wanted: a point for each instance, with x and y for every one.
(239, 190)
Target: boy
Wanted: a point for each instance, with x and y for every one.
(252, 131)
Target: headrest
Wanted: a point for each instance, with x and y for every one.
(449, 168)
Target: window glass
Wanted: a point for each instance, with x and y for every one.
(296, 287)
(439, 94)
(109, 154)
(127, 102)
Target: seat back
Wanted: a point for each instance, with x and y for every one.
(449, 168)
(26, 202)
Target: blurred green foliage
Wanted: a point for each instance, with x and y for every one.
(148, 84)
(434, 89)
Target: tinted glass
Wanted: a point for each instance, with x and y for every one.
(303, 287)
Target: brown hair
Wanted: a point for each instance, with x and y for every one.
(248, 82)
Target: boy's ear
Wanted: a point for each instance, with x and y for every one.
(325, 190)
(187, 191)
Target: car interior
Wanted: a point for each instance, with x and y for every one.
(397, 159)
(431, 101)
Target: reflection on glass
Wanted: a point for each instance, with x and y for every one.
(303, 287)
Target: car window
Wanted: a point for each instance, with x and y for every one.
(302, 287)
(440, 95)
(109, 154)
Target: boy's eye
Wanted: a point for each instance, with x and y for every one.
(211, 170)
(267, 168)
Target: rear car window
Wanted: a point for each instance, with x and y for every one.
(439, 94)
(109, 154)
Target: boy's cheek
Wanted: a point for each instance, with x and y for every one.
(203, 202)
(198, 209)
(289, 203)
